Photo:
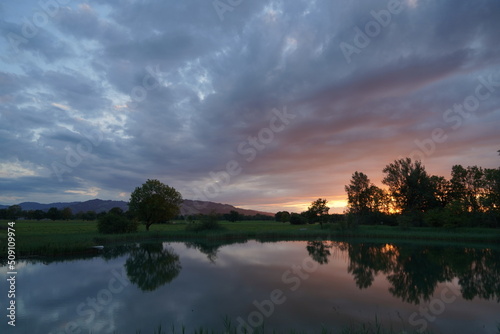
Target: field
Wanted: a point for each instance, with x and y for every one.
(53, 238)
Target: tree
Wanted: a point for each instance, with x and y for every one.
(54, 213)
(66, 214)
(441, 191)
(117, 211)
(491, 198)
(409, 185)
(380, 200)
(282, 216)
(90, 215)
(318, 211)
(233, 216)
(155, 202)
(14, 212)
(467, 187)
(38, 214)
(297, 219)
(360, 194)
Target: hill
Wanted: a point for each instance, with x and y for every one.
(189, 207)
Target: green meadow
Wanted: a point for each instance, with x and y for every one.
(59, 238)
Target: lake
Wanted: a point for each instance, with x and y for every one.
(285, 285)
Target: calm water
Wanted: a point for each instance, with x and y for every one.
(288, 285)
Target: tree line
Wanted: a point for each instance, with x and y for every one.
(15, 212)
(413, 197)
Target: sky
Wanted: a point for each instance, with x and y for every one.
(265, 105)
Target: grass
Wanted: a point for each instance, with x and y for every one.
(229, 329)
(366, 328)
(53, 238)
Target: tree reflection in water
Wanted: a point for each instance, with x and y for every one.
(414, 271)
(150, 266)
(319, 251)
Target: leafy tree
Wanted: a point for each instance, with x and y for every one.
(409, 185)
(441, 191)
(14, 212)
(234, 216)
(297, 219)
(90, 215)
(380, 201)
(362, 196)
(318, 211)
(66, 214)
(467, 186)
(155, 202)
(491, 198)
(38, 214)
(117, 211)
(282, 216)
(54, 213)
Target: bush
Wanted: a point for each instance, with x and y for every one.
(435, 218)
(297, 219)
(404, 222)
(111, 223)
(208, 222)
(410, 219)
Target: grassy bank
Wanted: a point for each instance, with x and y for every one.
(369, 328)
(49, 238)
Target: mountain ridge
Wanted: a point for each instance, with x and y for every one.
(188, 207)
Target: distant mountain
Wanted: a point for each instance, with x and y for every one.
(189, 207)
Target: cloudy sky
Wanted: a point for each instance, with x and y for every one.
(262, 104)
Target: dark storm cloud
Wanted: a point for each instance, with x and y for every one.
(174, 93)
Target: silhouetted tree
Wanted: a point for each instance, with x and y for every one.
(155, 202)
(359, 194)
(409, 185)
(467, 185)
(54, 214)
(297, 219)
(282, 216)
(117, 211)
(66, 214)
(318, 211)
(14, 212)
(234, 216)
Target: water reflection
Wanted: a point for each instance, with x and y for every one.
(319, 250)
(414, 271)
(150, 266)
(353, 282)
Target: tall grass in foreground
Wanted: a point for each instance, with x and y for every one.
(368, 328)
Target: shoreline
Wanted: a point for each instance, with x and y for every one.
(66, 238)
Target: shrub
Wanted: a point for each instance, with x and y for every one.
(297, 219)
(404, 222)
(208, 222)
(112, 223)
(435, 217)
